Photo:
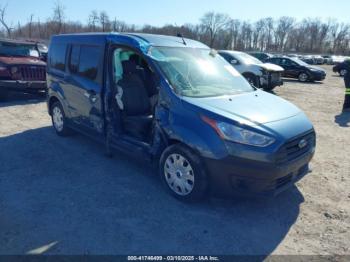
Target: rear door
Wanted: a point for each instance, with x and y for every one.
(288, 67)
(85, 84)
(57, 77)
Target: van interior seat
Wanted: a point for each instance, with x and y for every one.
(137, 117)
(145, 74)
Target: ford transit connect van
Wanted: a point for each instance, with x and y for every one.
(177, 103)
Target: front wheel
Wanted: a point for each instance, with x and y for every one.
(183, 174)
(303, 77)
(59, 121)
(343, 72)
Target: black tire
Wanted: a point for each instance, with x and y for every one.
(342, 72)
(200, 180)
(3, 94)
(252, 80)
(303, 77)
(64, 130)
(269, 89)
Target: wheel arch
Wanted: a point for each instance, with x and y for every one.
(51, 101)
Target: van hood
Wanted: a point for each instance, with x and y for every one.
(253, 108)
(25, 60)
(271, 67)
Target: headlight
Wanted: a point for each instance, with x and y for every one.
(238, 134)
(315, 70)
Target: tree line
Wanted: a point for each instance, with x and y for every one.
(217, 30)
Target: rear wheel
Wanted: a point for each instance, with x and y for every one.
(59, 121)
(303, 77)
(343, 72)
(183, 174)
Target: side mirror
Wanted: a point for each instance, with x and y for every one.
(234, 62)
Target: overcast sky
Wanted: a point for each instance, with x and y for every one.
(160, 12)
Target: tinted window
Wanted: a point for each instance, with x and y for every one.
(89, 60)
(227, 57)
(58, 56)
(74, 59)
(274, 61)
(286, 62)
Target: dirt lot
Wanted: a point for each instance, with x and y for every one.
(62, 196)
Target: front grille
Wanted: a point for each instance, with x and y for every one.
(32, 73)
(275, 77)
(293, 149)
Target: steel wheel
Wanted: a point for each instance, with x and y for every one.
(57, 118)
(343, 72)
(303, 77)
(179, 174)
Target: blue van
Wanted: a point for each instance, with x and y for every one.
(179, 104)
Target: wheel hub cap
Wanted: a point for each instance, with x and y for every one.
(57, 118)
(179, 174)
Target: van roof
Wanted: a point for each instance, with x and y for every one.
(137, 40)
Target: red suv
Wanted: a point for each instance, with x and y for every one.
(21, 68)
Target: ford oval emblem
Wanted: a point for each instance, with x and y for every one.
(303, 143)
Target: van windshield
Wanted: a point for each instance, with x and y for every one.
(195, 72)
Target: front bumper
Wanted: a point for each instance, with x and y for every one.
(23, 86)
(318, 77)
(234, 176)
(271, 80)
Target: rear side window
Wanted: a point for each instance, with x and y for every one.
(286, 62)
(227, 57)
(275, 60)
(74, 59)
(58, 56)
(89, 61)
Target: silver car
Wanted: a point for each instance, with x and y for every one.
(260, 75)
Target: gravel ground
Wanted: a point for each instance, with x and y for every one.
(62, 196)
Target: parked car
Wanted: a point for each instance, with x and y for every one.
(328, 59)
(341, 68)
(308, 59)
(319, 60)
(261, 56)
(257, 73)
(21, 69)
(43, 50)
(177, 103)
(296, 68)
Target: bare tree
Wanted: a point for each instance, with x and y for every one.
(7, 27)
(93, 20)
(284, 26)
(212, 23)
(217, 30)
(30, 25)
(104, 21)
(58, 17)
(119, 26)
